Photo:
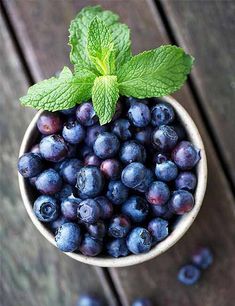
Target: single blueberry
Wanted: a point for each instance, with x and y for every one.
(186, 155)
(49, 182)
(93, 132)
(162, 114)
(90, 246)
(158, 228)
(54, 225)
(30, 165)
(164, 138)
(181, 202)
(86, 115)
(202, 258)
(186, 180)
(133, 175)
(121, 128)
(136, 208)
(73, 132)
(132, 151)
(92, 160)
(90, 181)
(139, 240)
(117, 248)
(166, 171)
(97, 230)
(69, 170)
(106, 145)
(142, 302)
(189, 275)
(68, 237)
(106, 207)
(46, 208)
(111, 169)
(139, 114)
(53, 148)
(69, 208)
(119, 226)
(49, 123)
(117, 192)
(144, 136)
(88, 211)
(158, 193)
(89, 300)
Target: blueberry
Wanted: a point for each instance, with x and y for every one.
(69, 208)
(131, 100)
(73, 132)
(158, 193)
(92, 160)
(158, 228)
(185, 155)
(117, 248)
(162, 114)
(49, 182)
(70, 111)
(111, 169)
(106, 207)
(132, 151)
(121, 128)
(53, 148)
(88, 211)
(181, 202)
(133, 175)
(65, 192)
(54, 225)
(189, 275)
(139, 114)
(46, 208)
(146, 182)
(97, 230)
(166, 171)
(159, 210)
(68, 237)
(202, 258)
(70, 169)
(164, 138)
(90, 181)
(49, 123)
(106, 145)
(186, 180)
(144, 136)
(117, 192)
(86, 115)
(136, 208)
(30, 165)
(93, 132)
(119, 226)
(139, 240)
(90, 246)
(89, 300)
(142, 302)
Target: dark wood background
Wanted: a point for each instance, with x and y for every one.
(33, 45)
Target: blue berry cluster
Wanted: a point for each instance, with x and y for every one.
(115, 189)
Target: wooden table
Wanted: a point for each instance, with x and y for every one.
(33, 37)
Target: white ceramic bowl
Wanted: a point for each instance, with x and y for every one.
(182, 225)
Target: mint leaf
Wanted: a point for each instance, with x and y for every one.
(79, 31)
(104, 97)
(154, 73)
(100, 47)
(60, 93)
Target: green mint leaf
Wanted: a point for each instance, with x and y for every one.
(154, 73)
(79, 31)
(100, 47)
(62, 92)
(104, 97)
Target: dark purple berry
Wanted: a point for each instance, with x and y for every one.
(70, 169)
(86, 115)
(97, 230)
(133, 175)
(139, 240)
(166, 171)
(49, 182)
(119, 226)
(92, 160)
(30, 165)
(46, 208)
(69, 208)
(158, 228)
(68, 237)
(117, 192)
(93, 132)
(73, 132)
(162, 114)
(136, 208)
(202, 258)
(121, 128)
(185, 155)
(88, 211)
(186, 180)
(164, 138)
(90, 246)
(132, 151)
(146, 182)
(106, 207)
(106, 145)
(117, 248)
(158, 193)
(53, 148)
(139, 114)
(181, 202)
(49, 123)
(111, 169)
(189, 275)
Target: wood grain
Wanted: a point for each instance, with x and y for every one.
(206, 30)
(215, 224)
(32, 271)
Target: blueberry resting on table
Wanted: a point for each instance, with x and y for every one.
(189, 275)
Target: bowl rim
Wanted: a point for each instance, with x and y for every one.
(182, 225)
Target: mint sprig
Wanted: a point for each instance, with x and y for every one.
(104, 68)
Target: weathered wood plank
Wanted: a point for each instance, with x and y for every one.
(32, 271)
(215, 224)
(206, 29)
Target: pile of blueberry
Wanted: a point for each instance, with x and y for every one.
(115, 189)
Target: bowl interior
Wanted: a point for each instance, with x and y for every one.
(180, 227)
